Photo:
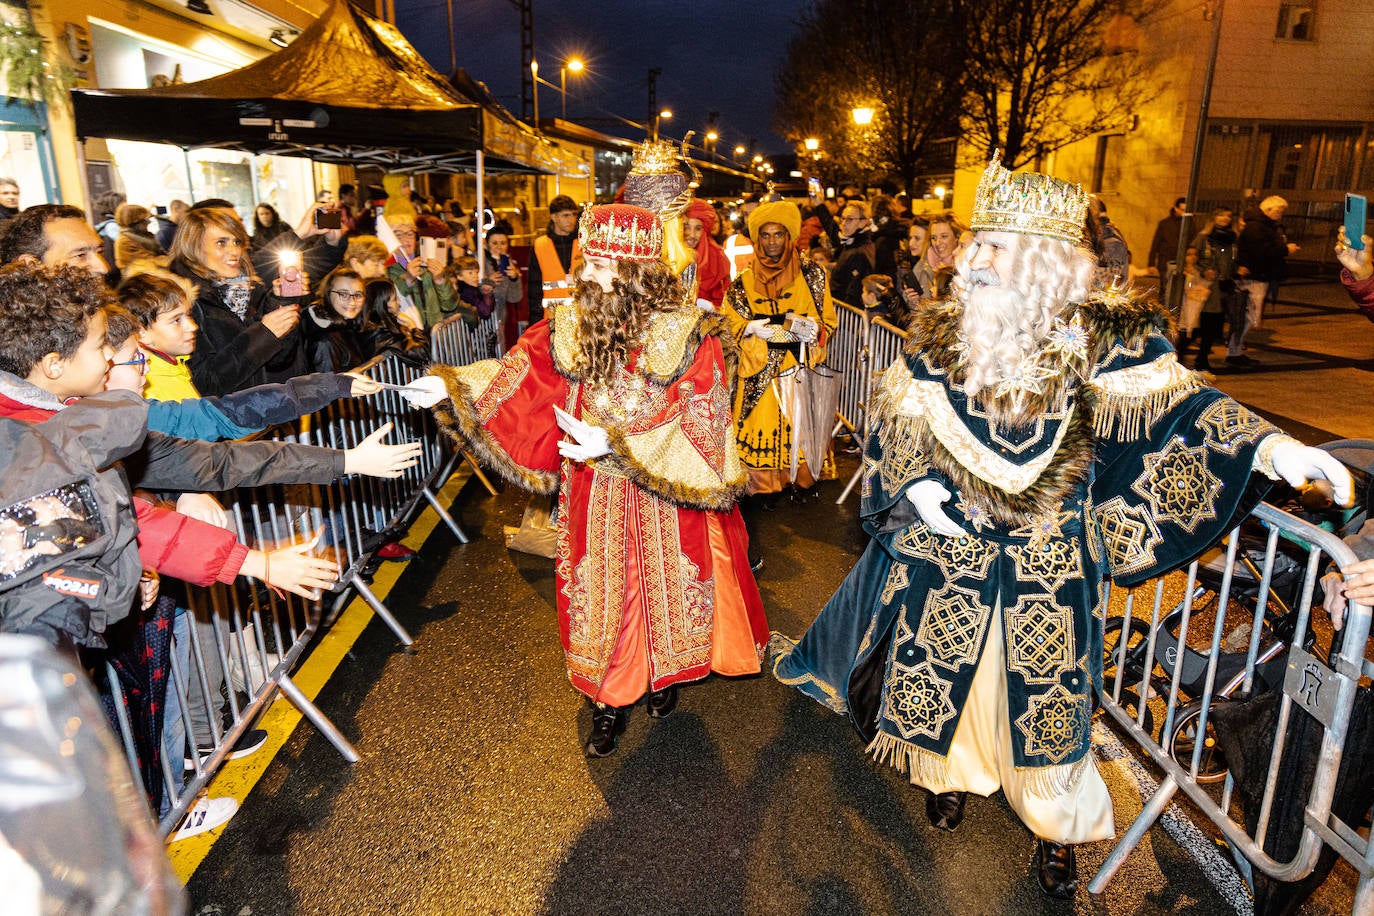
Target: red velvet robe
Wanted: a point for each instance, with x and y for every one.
(653, 584)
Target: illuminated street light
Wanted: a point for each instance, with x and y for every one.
(666, 114)
(940, 191)
(862, 116)
(575, 65)
(812, 144)
(739, 150)
(534, 70)
(712, 136)
(758, 159)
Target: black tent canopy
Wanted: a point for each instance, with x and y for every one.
(349, 90)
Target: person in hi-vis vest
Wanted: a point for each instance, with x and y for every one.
(555, 256)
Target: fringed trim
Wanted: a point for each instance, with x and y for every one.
(781, 647)
(458, 419)
(1052, 782)
(1063, 475)
(711, 499)
(924, 768)
(1124, 415)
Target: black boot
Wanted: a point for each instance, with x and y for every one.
(607, 724)
(662, 702)
(946, 809)
(1056, 867)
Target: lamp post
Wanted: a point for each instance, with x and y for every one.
(534, 70)
(575, 65)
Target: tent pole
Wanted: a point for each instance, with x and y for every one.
(480, 212)
(190, 179)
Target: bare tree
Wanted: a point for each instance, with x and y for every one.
(1042, 74)
(898, 57)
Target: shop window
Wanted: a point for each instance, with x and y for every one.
(1296, 19)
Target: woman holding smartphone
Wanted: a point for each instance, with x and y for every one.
(249, 331)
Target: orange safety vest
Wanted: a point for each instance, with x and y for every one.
(550, 266)
(739, 251)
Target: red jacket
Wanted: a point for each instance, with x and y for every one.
(713, 271)
(1361, 291)
(168, 542)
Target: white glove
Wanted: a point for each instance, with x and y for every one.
(760, 328)
(706, 305)
(425, 391)
(927, 496)
(592, 441)
(1300, 464)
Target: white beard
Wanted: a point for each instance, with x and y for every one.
(997, 343)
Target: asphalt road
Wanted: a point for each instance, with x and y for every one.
(473, 795)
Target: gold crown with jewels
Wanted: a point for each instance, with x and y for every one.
(621, 232)
(1028, 202)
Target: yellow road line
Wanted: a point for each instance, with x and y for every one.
(237, 777)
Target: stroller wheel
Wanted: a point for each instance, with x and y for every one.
(1182, 741)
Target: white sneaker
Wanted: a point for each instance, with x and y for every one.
(207, 814)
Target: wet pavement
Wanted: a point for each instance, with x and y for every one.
(473, 795)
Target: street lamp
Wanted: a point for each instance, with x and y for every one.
(862, 116)
(739, 150)
(576, 66)
(812, 144)
(666, 114)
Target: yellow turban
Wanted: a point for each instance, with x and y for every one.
(778, 211)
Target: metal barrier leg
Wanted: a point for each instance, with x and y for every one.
(380, 610)
(477, 472)
(318, 719)
(849, 487)
(443, 514)
(1127, 844)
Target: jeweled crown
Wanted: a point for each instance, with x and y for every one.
(1028, 202)
(621, 232)
(655, 157)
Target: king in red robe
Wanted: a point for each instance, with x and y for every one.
(620, 401)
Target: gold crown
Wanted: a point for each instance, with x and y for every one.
(656, 157)
(1028, 202)
(621, 232)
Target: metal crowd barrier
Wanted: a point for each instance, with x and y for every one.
(241, 642)
(863, 348)
(1153, 672)
(454, 343)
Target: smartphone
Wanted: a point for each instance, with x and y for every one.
(813, 187)
(1355, 220)
(503, 263)
(159, 211)
(429, 248)
(443, 251)
(291, 283)
(326, 218)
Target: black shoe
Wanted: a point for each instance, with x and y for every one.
(946, 809)
(662, 702)
(1056, 868)
(1242, 362)
(1202, 365)
(247, 744)
(607, 724)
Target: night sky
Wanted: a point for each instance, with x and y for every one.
(716, 55)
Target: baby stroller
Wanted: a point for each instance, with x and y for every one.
(1126, 641)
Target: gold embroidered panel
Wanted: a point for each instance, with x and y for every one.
(953, 626)
(1055, 724)
(1228, 427)
(966, 556)
(596, 587)
(903, 461)
(1178, 485)
(491, 382)
(1040, 643)
(1129, 535)
(929, 400)
(1050, 565)
(916, 700)
(898, 578)
(677, 601)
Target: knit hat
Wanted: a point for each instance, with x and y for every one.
(777, 211)
(621, 232)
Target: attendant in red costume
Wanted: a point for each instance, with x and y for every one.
(713, 269)
(620, 401)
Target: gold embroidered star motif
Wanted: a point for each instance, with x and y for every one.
(1069, 337)
(1040, 531)
(975, 513)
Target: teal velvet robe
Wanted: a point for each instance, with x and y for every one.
(1130, 467)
